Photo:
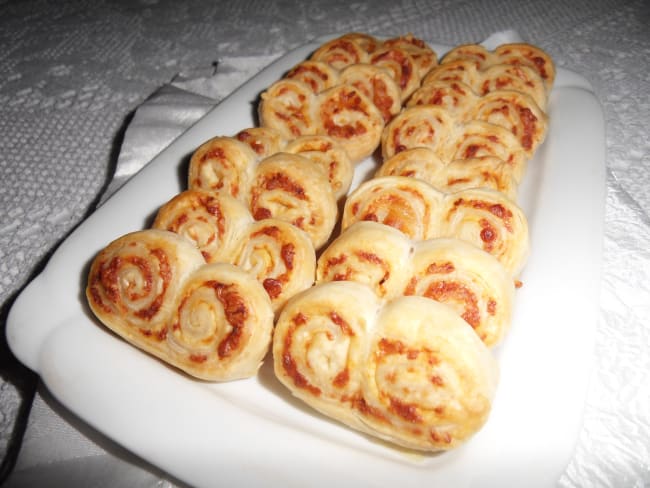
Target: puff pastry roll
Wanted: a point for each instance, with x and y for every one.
(455, 96)
(516, 112)
(425, 58)
(330, 156)
(429, 380)
(351, 119)
(317, 74)
(371, 253)
(342, 51)
(378, 85)
(410, 372)
(264, 141)
(528, 55)
(460, 70)
(418, 162)
(133, 283)
(401, 65)
(485, 172)
(491, 221)
(290, 188)
(478, 55)
(153, 289)
(418, 126)
(214, 221)
(365, 41)
(288, 107)
(280, 256)
(221, 326)
(516, 77)
(407, 204)
(319, 346)
(478, 139)
(222, 163)
(468, 279)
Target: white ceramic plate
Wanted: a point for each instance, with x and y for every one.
(252, 432)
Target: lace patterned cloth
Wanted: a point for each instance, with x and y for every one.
(72, 75)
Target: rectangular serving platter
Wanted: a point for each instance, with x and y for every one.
(252, 432)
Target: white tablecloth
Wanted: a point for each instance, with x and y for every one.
(73, 73)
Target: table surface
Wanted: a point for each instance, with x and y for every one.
(72, 75)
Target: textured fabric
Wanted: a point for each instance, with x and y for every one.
(72, 75)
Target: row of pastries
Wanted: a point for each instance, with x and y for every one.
(381, 304)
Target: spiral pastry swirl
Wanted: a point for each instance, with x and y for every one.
(424, 57)
(489, 220)
(221, 326)
(485, 172)
(154, 289)
(342, 51)
(222, 163)
(455, 96)
(528, 55)
(290, 187)
(470, 280)
(418, 126)
(264, 141)
(330, 156)
(460, 70)
(350, 118)
(280, 256)
(133, 282)
(288, 106)
(214, 221)
(411, 372)
(378, 85)
(370, 253)
(515, 77)
(401, 65)
(418, 162)
(478, 55)
(407, 204)
(478, 139)
(516, 112)
(317, 74)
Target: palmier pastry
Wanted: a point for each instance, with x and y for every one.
(467, 278)
(154, 289)
(478, 139)
(411, 372)
(418, 126)
(491, 221)
(365, 41)
(214, 221)
(455, 96)
(222, 163)
(475, 53)
(514, 77)
(461, 70)
(332, 158)
(289, 187)
(418, 162)
(288, 107)
(280, 256)
(401, 66)
(341, 52)
(264, 141)
(407, 204)
(516, 112)
(378, 85)
(485, 172)
(317, 74)
(425, 58)
(351, 119)
(528, 55)
(221, 326)
(371, 253)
